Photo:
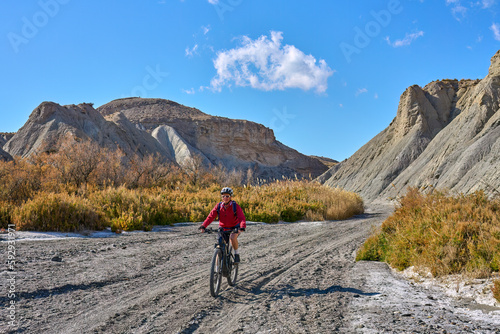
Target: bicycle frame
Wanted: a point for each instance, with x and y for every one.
(222, 262)
(225, 246)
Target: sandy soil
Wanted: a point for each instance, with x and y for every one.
(294, 278)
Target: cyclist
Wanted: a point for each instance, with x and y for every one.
(231, 217)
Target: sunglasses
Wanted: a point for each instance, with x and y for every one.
(224, 196)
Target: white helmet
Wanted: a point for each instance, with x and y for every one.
(226, 190)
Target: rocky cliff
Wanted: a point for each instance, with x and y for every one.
(445, 135)
(50, 124)
(4, 156)
(233, 143)
(165, 128)
(5, 137)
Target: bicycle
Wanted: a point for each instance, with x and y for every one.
(222, 262)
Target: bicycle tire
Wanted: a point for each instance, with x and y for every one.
(233, 272)
(216, 273)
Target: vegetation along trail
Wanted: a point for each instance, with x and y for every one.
(294, 278)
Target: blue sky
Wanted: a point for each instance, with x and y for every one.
(326, 76)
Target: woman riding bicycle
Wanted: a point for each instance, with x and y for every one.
(231, 217)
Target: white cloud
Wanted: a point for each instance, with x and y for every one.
(488, 3)
(409, 38)
(189, 91)
(205, 29)
(457, 9)
(192, 51)
(459, 12)
(375, 96)
(213, 2)
(361, 91)
(267, 65)
(496, 31)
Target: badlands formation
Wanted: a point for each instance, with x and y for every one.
(174, 132)
(445, 135)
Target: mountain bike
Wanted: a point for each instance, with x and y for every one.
(222, 262)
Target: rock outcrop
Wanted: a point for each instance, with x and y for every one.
(177, 147)
(5, 137)
(50, 124)
(172, 131)
(235, 144)
(446, 135)
(131, 139)
(4, 156)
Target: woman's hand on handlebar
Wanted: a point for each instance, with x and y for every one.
(237, 230)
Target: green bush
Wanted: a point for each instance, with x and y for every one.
(291, 214)
(373, 249)
(5, 214)
(444, 234)
(129, 221)
(57, 212)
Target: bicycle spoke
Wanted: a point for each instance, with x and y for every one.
(216, 273)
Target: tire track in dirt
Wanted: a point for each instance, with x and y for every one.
(293, 278)
(259, 290)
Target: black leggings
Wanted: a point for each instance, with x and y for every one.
(225, 232)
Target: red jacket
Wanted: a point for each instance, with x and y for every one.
(226, 216)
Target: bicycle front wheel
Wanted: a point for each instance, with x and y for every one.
(233, 269)
(216, 273)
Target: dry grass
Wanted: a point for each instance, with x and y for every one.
(141, 208)
(57, 212)
(297, 200)
(82, 186)
(496, 289)
(444, 234)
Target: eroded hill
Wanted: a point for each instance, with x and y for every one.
(445, 135)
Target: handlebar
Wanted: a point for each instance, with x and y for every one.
(211, 230)
(233, 230)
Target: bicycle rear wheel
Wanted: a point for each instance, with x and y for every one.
(233, 269)
(216, 273)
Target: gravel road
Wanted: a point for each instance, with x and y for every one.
(294, 278)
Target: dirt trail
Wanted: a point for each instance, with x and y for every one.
(294, 278)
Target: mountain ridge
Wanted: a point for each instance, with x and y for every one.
(445, 135)
(174, 132)
(220, 140)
